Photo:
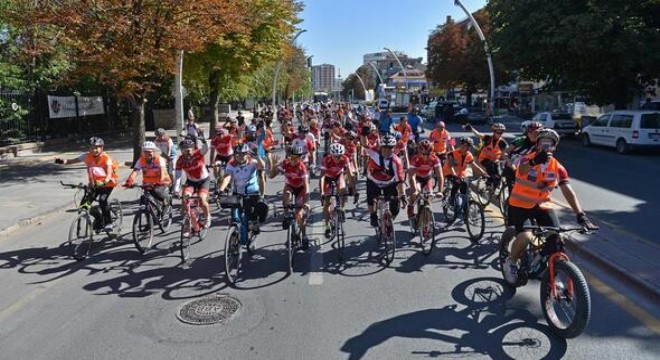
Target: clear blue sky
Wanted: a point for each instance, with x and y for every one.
(339, 32)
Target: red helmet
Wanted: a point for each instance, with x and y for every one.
(534, 125)
(425, 147)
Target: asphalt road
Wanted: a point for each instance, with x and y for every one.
(120, 305)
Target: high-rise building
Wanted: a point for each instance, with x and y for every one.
(323, 77)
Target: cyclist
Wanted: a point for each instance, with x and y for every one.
(333, 168)
(304, 142)
(455, 169)
(288, 134)
(350, 142)
(538, 174)
(268, 142)
(192, 163)
(385, 175)
(296, 186)
(337, 132)
(221, 149)
(385, 122)
(518, 148)
(154, 172)
(424, 166)
(491, 151)
(243, 171)
(102, 178)
(442, 141)
(191, 127)
(368, 141)
(167, 149)
(415, 122)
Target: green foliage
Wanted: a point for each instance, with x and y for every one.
(608, 49)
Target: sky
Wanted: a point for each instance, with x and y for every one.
(340, 32)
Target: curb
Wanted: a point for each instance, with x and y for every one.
(31, 220)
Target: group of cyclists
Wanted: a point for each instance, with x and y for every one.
(342, 145)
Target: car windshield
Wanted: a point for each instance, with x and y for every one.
(650, 121)
(562, 117)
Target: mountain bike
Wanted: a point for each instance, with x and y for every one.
(337, 218)
(423, 221)
(240, 235)
(190, 224)
(463, 206)
(293, 234)
(497, 193)
(565, 297)
(89, 223)
(385, 233)
(150, 212)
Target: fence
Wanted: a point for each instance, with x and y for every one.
(16, 122)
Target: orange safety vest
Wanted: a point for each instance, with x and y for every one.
(457, 161)
(96, 168)
(536, 186)
(151, 172)
(491, 151)
(439, 140)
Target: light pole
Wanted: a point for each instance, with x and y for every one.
(363, 86)
(488, 57)
(377, 72)
(405, 76)
(278, 68)
(311, 77)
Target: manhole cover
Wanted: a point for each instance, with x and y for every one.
(209, 310)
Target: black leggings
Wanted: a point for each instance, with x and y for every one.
(102, 195)
(374, 190)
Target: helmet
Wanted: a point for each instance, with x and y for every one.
(373, 127)
(250, 129)
(159, 132)
(425, 147)
(186, 144)
(337, 149)
(534, 125)
(397, 135)
(303, 129)
(403, 118)
(296, 150)
(96, 141)
(498, 127)
(220, 130)
(441, 123)
(149, 146)
(466, 140)
(241, 149)
(233, 120)
(548, 134)
(387, 141)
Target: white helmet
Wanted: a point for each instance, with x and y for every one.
(149, 146)
(337, 149)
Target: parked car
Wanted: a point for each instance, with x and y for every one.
(625, 130)
(382, 104)
(562, 123)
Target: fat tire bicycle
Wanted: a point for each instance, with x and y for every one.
(83, 229)
(565, 297)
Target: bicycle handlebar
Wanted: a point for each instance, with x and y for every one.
(74, 186)
(559, 230)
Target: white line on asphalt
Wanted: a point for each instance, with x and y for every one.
(316, 252)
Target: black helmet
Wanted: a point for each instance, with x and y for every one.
(297, 150)
(242, 149)
(303, 129)
(186, 144)
(466, 140)
(96, 141)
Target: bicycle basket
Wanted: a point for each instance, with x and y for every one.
(231, 201)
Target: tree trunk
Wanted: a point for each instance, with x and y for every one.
(214, 98)
(137, 119)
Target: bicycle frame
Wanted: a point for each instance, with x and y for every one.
(191, 204)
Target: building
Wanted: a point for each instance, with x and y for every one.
(323, 77)
(387, 65)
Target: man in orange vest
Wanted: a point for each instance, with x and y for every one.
(101, 176)
(538, 174)
(491, 151)
(154, 172)
(455, 169)
(442, 141)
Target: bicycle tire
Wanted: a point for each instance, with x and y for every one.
(389, 239)
(291, 246)
(233, 255)
(427, 231)
(484, 195)
(81, 236)
(475, 219)
(166, 218)
(341, 240)
(503, 199)
(448, 211)
(580, 297)
(186, 234)
(507, 238)
(143, 230)
(203, 230)
(117, 216)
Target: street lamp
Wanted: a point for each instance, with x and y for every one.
(405, 76)
(486, 49)
(278, 68)
(363, 86)
(377, 72)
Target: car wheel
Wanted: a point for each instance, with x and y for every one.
(585, 140)
(621, 146)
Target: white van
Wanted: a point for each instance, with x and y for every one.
(624, 130)
(382, 104)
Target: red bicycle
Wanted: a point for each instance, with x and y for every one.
(190, 224)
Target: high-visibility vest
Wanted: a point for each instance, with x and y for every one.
(534, 187)
(439, 139)
(459, 162)
(151, 172)
(96, 168)
(491, 151)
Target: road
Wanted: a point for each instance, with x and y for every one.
(120, 305)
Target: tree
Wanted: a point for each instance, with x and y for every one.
(129, 44)
(352, 83)
(607, 49)
(457, 58)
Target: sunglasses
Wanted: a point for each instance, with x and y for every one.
(294, 157)
(499, 132)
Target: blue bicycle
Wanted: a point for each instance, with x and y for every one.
(241, 233)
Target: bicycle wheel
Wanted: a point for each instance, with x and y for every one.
(568, 312)
(505, 243)
(448, 210)
(203, 230)
(166, 217)
(233, 254)
(81, 236)
(503, 200)
(341, 244)
(116, 215)
(186, 234)
(143, 230)
(483, 192)
(427, 231)
(291, 246)
(475, 221)
(389, 239)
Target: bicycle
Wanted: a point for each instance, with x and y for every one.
(423, 221)
(293, 234)
(88, 222)
(565, 297)
(469, 209)
(241, 233)
(190, 224)
(487, 191)
(336, 219)
(385, 233)
(150, 212)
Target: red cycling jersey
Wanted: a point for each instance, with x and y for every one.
(333, 168)
(223, 145)
(294, 175)
(194, 167)
(384, 172)
(423, 166)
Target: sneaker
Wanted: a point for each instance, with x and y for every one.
(207, 223)
(254, 227)
(510, 271)
(305, 243)
(374, 220)
(108, 228)
(328, 232)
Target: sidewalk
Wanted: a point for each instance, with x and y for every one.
(30, 191)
